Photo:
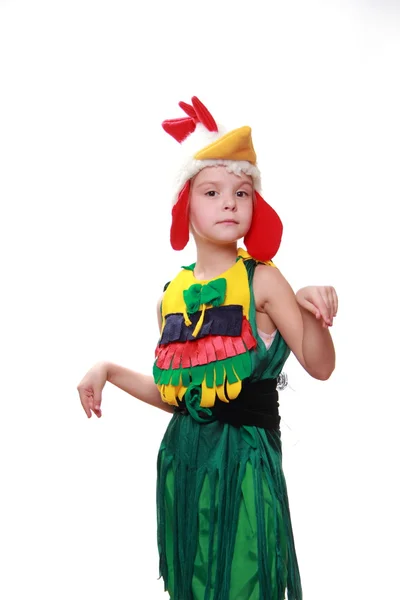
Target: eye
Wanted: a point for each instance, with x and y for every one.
(211, 193)
(242, 193)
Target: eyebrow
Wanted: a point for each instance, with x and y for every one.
(247, 183)
(206, 183)
(210, 182)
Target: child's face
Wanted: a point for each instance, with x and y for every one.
(221, 205)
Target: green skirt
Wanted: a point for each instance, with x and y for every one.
(223, 520)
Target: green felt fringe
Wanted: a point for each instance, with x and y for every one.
(213, 372)
(211, 477)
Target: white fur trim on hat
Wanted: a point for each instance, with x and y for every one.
(198, 140)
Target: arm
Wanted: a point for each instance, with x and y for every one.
(302, 319)
(138, 385)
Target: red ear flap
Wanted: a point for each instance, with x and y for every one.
(264, 236)
(179, 234)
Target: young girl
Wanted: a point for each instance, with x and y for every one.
(227, 325)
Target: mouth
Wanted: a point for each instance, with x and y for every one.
(228, 222)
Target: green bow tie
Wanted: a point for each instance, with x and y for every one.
(210, 293)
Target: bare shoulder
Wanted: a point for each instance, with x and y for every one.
(268, 285)
(274, 296)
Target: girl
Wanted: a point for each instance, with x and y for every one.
(227, 325)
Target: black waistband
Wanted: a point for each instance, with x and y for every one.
(257, 405)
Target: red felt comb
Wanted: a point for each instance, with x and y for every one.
(179, 129)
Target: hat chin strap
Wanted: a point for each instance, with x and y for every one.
(262, 241)
(179, 234)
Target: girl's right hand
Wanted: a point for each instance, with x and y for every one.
(90, 388)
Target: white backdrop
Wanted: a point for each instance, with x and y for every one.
(85, 174)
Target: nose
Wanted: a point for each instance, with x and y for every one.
(229, 202)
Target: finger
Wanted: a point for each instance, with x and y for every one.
(97, 410)
(86, 400)
(330, 303)
(323, 305)
(96, 403)
(312, 308)
(335, 301)
(86, 407)
(97, 400)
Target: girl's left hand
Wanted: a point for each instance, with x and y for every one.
(321, 301)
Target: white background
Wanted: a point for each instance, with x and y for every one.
(85, 180)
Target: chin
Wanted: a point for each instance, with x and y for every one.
(228, 240)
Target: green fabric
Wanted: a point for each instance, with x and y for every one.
(266, 363)
(242, 364)
(210, 293)
(224, 527)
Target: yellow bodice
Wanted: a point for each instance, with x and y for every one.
(206, 336)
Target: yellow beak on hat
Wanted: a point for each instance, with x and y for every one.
(235, 145)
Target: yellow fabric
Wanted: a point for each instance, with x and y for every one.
(244, 254)
(220, 389)
(207, 395)
(168, 394)
(237, 289)
(237, 292)
(235, 145)
(234, 389)
(199, 322)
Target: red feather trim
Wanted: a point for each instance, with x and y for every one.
(186, 356)
(229, 347)
(194, 357)
(179, 129)
(189, 110)
(204, 115)
(202, 354)
(183, 355)
(247, 335)
(219, 347)
(161, 358)
(211, 356)
(240, 348)
(176, 361)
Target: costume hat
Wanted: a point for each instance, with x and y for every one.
(204, 144)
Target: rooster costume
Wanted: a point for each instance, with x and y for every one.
(223, 521)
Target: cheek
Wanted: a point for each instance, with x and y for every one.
(248, 213)
(199, 212)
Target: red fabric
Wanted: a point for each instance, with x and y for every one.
(205, 350)
(179, 129)
(211, 356)
(247, 335)
(186, 356)
(203, 115)
(179, 233)
(189, 110)
(219, 347)
(240, 348)
(176, 361)
(229, 347)
(262, 240)
(194, 357)
(161, 355)
(202, 354)
(264, 236)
